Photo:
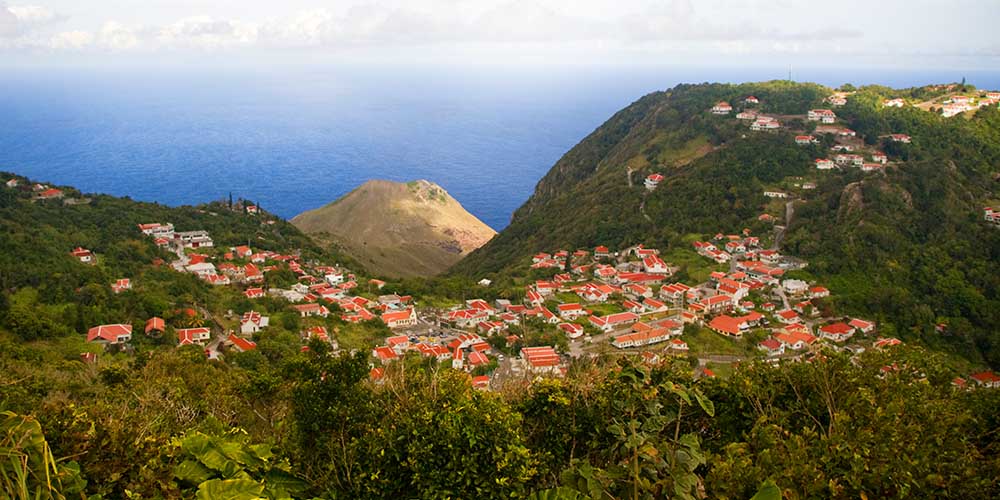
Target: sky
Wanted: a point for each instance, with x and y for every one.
(897, 33)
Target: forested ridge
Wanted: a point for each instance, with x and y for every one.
(907, 245)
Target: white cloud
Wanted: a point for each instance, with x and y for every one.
(481, 28)
(71, 40)
(115, 36)
(204, 32)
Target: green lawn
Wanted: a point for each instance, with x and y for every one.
(709, 342)
(604, 309)
(698, 267)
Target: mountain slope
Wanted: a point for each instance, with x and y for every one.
(396, 229)
(906, 245)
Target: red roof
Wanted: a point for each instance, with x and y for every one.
(727, 324)
(108, 333)
(837, 329)
(241, 343)
(771, 344)
(986, 377)
(155, 323)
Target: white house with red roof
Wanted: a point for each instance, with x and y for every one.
(751, 100)
(746, 115)
(571, 311)
(821, 115)
(572, 330)
(83, 255)
(903, 138)
(240, 344)
(542, 359)
(787, 316)
(991, 215)
(654, 264)
(188, 336)
(642, 338)
(121, 285)
(653, 180)
(110, 334)
(986, 379)
(862, 326)
(252, 322)
(610, 322)
(722, 108)
(837, 332)
(805, 140)
(384, 354)
(771, 346)
(398, 319)
(312, 309)
(254, 293)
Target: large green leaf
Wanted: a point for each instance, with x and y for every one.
(193, 472)
(706, 404)
(230, 489)
(768, 491)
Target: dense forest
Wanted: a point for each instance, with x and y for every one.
(907, 246)
(161, 421)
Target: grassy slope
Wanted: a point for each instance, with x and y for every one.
(395, 229)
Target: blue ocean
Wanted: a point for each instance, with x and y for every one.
(293, 139)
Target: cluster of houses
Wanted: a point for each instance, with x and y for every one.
(958, 104)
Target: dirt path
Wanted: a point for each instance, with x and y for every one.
(780, 230)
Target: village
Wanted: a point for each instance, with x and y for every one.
(602, 302)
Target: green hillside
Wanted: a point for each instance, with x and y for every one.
(906, 245)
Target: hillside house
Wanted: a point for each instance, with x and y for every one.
(398, 319)
(880, 157)
(239, 344)
(188, 336)
(155, 326)
(894, 103)
(824, 164)
(837, 332)
(542, 359)
(121, 285)
(746, 115)
(571, 311)
(601, 252)
(252, 322)
(642, 338)
(903, 138)
(992, 216)
(83, 255)
(805, 140)
(722, 108)
(986, 379)
(157, 230)
(110, 334)
(862, 326)
(50, 194)
(765, 123)
(312, 309)
(787, 316)
(193, 239)
(655, 265)
(771, 347)
(653, 180)
(572, 330)
(821, 115)
(612, 321)
(775, 194)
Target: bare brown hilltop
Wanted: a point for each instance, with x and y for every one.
(398, 229)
